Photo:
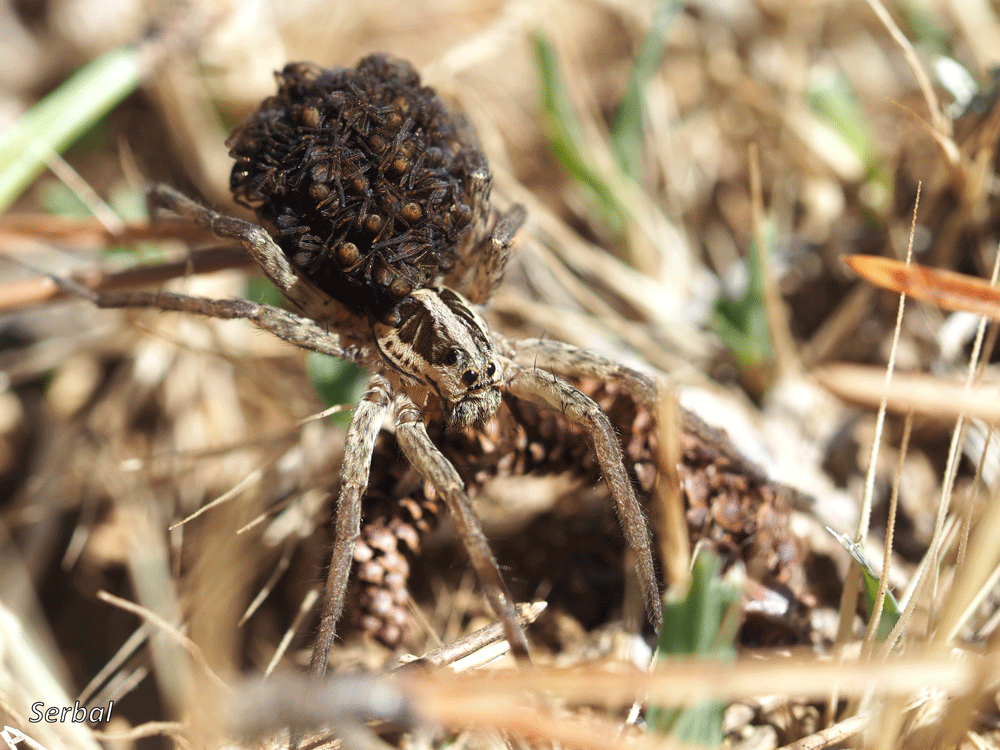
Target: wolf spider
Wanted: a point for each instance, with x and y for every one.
(432, 358)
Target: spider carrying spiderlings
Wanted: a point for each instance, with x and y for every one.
(385, 243)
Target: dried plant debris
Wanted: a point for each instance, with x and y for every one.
(375, 188)
(731, 506)
(958, 205)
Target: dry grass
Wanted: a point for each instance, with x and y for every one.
(801, 127)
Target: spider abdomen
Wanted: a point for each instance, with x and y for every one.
(374, 187)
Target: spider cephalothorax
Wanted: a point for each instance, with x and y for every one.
(435, 338)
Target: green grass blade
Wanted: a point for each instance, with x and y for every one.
(61, 117)
(741, 322)
(566, 137)
(626, 131)
(890, 607)
(834, 100)
(700, 624)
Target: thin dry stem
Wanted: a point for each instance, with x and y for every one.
(173, 729)
(25, 293)
(308, 602)
(87, 195)
(890, 526)
(786, 357)
(832, 735)
(941, 124)
(279, 569)
(25, 229)
(944, 635)
(248, 481)
(126, 650)
(865, 517)
(852, 584)
(675, 544)
(460, 648)
(167, 629)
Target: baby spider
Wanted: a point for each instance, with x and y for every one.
(361, 286)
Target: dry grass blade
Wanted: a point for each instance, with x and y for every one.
(29, 670)
(983, 559)
(248, 481)
(839, 732)
(173, 729)
(852, 584)
(91, 233)
(946, 289)
(941, 125)
(928, 395)
(168, 630)
(675, 546)
(874, 624)
(686, 682)
(23, 293)
(782, 344)
(468, 645)
(312, 596)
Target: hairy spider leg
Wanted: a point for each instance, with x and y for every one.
(286, 325)
(492, 261)
(533, 375)
(424, 456)
(358, 449)
(303, 295)
(571, 361)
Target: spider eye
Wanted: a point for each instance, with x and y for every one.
(451, 358)
(491, 370)
(469, 377)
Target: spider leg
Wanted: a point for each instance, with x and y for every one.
(492, 260)
(421, 452)
(541, 387)
(268, 255)
(573, 362)
(283, 324)
(358, 450)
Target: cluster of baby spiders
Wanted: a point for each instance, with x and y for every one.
(379, 198)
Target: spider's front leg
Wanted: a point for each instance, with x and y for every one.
(491, 261)
(423, 455)
(358, 449)
(544, 388)
(268, 255)
(570, 361)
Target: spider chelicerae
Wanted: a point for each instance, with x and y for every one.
(384, 246)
